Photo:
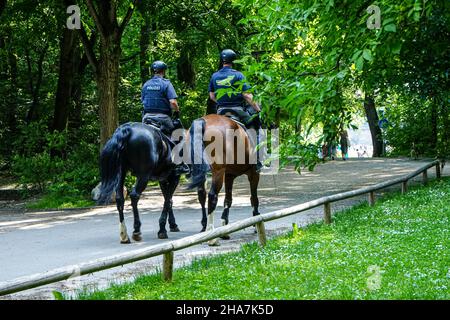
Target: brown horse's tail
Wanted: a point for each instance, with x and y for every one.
(199, 165)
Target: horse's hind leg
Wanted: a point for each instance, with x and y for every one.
(120, 202)
(168, 188)
(173, 183)
(213, 195)
(135, 194)
(229, 179)
(201, 193)
(253, 178)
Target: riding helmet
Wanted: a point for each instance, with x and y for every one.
(158, 66)
(228, 56)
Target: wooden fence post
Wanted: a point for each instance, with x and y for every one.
(371, 198)
(167, 266)
(261, 233)
(327, 213)
(425, 177)
(404, 186)
(438, 170)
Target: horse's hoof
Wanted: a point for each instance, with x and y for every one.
(125, 241)
(225, 237)
(174, 229)
(137, 236)
(213, 243)
(162, 235)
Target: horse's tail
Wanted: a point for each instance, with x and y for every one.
(111, 162)
(199, 164)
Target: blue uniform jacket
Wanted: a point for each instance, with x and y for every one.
(156, 94)
(226, 78)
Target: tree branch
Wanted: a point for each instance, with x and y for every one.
(29, 69)
(40, 67)
(88, 45)
(315, 74)
(96, 17)
(128, 16)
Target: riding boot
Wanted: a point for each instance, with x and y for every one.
(256, 125)
(259, 164)
(181, 168)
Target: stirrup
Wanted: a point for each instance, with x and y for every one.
(182, 168)
(259, 166)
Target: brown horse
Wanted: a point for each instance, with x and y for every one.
(228, 155)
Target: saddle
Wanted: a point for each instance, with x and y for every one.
(234, 117)
(148, 120)
(155, 124)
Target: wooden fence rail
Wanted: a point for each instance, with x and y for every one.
(167, 248)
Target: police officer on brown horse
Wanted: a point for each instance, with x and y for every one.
(238, 101)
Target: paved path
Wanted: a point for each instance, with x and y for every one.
(35, 242)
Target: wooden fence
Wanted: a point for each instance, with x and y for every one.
(167, 248)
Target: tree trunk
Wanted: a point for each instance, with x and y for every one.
(106, 68)
(443, 147)
(144, 42)
(81, 64)
(12, 110)
(434, 124)
(35, 87)
(375, 131)
(75, 114)
(185, 69)
(147, 10)
(2, 6)
(108, 86)
(67, 73)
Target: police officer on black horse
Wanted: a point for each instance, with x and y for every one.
(239, 103)
(145, 150)
(160, 102)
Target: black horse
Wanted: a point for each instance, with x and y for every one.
(141, 149)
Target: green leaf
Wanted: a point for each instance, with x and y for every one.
(390, 28)
(396, 47)
(356, 54)
(359, 63)
(367, 55)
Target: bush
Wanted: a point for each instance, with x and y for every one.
(36, 170)
(66, 172)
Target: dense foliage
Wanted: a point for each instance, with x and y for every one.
(313, 65)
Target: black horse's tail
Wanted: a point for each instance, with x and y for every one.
(111, 162)
(198, 162)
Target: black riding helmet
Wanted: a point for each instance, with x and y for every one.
(228, 56)
(158, 66)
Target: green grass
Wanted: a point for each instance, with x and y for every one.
(399, 249)
(56, 201)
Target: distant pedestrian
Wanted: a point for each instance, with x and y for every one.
(365, 154)
(324, 152)
(358, 152)
(344, 144)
